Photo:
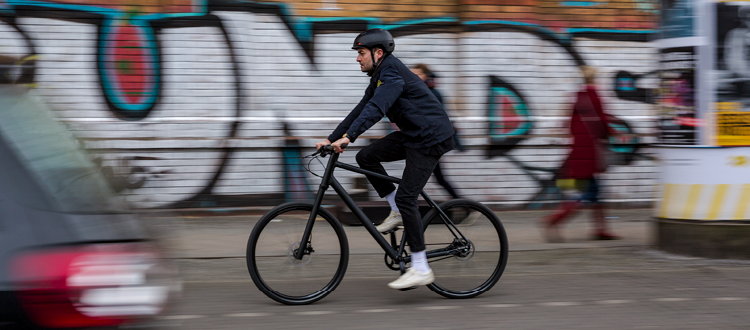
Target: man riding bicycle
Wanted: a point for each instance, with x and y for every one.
(426, 133)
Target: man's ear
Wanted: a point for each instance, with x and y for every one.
(379, 52)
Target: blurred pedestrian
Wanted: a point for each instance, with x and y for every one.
(587, 158)
(429, 77)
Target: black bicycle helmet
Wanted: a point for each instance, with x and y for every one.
(375, 37)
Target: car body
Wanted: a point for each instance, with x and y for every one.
(71, 253)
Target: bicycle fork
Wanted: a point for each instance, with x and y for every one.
(324, 184)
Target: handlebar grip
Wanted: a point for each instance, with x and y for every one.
(344, 145)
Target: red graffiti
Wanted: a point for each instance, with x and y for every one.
(129, 60)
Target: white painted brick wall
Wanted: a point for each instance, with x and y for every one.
(186, 130)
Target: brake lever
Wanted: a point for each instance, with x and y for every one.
(324, 151)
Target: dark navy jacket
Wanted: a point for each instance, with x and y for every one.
(398, 93)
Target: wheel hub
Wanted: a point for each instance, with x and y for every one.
(305, 257)
(465, 251)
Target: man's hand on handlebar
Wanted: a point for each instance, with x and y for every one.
(322, 144)
(325, 147)
(340, 144)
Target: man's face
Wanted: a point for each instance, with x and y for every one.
(419, 73)
(365, 59)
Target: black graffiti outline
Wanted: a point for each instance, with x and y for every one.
(352, 25)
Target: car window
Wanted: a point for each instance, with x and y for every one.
(52, 155)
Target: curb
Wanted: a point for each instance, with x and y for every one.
(260, 210)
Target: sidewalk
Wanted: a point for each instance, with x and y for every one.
(226, 236)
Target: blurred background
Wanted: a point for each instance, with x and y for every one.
(141, 140)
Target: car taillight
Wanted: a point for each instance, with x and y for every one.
(91, 285)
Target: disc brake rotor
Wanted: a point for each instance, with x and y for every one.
(294, 261)
(465, 252)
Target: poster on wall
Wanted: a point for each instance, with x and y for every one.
(732, 74)
(677, 19)
(678, 121)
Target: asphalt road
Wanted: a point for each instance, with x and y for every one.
(592, 288)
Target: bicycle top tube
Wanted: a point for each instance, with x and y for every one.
(366, 172)
(328, 150)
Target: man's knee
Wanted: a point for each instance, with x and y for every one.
(362, 157)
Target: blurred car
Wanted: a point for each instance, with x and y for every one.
(71, 254)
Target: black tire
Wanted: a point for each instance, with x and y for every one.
(296, 282)
(479, 268)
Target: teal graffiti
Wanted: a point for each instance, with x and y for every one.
(649, 6)
(127, 98)
(503, 126)
(582, 3)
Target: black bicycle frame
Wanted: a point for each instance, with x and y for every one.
(329, 180)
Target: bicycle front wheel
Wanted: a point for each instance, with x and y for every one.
(273, 266)
(478, 248)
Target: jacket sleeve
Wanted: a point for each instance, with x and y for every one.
(344, 125)
(385, 95)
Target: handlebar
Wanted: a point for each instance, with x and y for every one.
(328, 150)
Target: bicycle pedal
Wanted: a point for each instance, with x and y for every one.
(407, 289)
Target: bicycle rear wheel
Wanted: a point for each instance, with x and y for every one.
(270, 254)
(477, 263)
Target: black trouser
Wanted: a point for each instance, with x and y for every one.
(418, 169)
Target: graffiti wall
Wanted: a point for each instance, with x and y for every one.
(204, 103)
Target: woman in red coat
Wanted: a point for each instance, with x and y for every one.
(577, 176)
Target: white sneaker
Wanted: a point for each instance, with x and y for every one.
(392, 221)
(411, 278)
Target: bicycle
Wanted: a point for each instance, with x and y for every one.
(305, 273)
